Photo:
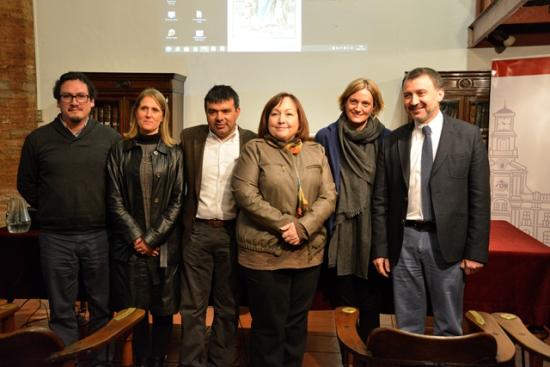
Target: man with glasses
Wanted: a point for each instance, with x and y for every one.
(62, 175)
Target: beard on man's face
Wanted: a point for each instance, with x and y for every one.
(75, 116)
(74, 120)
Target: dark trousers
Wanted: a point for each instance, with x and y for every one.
(146, 343)
(209, 268)
(363, 294)
(63, 258)
(152, 343)
(279, 301)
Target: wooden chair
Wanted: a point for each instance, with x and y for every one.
(516, 329)
(483, 321)
(39, 346)
(393, 347)
(7, 316)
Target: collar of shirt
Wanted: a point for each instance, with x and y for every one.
(231, 137)
(75, 133)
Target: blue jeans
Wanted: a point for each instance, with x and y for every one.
(421, 269)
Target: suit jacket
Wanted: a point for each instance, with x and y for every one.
(459, 189)
(193, 140)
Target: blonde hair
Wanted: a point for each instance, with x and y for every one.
(359, 84)
(164, 128)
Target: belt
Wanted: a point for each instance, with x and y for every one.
(420, 225)
(215, 223)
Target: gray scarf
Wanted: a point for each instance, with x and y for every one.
(349, 248)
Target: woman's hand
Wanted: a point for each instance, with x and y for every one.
(143, 249)
(290, 235)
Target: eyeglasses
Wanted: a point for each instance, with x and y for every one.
(68, 98)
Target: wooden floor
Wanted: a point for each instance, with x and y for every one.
(321, 350)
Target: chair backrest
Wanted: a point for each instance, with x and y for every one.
(517, 330)
(29, 346)
(39, 346)
(413, 349)
(483, 321)
(7, 316)
(393, 347)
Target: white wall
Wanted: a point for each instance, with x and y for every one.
(120, 35)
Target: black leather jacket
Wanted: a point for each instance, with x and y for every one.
(125, 200)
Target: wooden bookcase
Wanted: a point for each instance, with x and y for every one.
(467, 97)
(116, 93)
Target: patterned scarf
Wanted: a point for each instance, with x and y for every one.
(294, 146)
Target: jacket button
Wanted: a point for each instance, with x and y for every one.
(156, 200)
(155, 152)
(158, 175)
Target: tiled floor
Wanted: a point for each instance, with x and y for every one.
(321, 350)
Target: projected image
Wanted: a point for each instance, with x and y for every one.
(200, 26)
(264, 25)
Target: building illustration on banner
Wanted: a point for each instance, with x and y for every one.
(511, 198)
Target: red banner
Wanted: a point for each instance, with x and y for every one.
(519, 67)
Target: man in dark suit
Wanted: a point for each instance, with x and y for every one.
(210, 152)
(431, 208)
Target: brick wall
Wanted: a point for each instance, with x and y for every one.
(17, 90)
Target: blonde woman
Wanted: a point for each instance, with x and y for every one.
(352, 144)
(145, 188)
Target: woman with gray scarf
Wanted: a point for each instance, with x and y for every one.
(351, 145)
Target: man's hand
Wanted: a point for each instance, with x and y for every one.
(382, 265)
(470, 266)
(142, 248)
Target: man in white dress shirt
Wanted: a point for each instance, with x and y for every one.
(431, 208)
(210, 152)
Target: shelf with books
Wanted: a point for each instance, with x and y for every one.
(467, 97)
(118, 91)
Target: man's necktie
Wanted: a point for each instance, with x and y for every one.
(425, 172)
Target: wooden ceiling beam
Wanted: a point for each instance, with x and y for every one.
(497, 13)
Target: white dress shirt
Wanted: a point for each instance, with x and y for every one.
(220, 156)
(414, 209)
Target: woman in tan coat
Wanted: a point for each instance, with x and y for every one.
(284, 188)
